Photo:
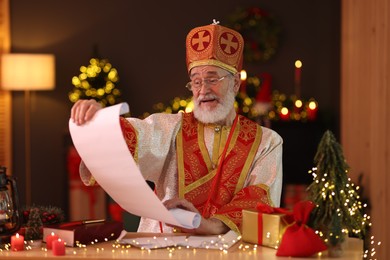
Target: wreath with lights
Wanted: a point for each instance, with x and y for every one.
(96, 81)
(260, 31)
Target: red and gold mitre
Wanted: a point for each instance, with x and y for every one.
(214, 45)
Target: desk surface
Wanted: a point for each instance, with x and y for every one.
(110, 250)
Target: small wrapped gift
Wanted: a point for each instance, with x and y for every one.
(265, 226)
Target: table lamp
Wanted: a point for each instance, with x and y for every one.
(27, 72)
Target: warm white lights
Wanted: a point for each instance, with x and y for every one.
(243, 75)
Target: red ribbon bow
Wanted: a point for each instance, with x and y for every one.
(267, 209)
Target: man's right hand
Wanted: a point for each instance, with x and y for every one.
(84, 110)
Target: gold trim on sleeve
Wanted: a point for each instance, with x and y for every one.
(266, 188)
(200, 182)
(180, 162)
(202, 146)
(92, 181)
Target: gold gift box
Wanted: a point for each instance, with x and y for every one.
(273, 227)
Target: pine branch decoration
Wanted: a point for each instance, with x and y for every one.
(35, 217)
(34, 225)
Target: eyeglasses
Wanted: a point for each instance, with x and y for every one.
(196, 83)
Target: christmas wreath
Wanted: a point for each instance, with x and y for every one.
(260, 31)
(96, 81)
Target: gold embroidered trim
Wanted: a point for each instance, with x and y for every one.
(207, 160)
(249, 160)
(233, 141)
(202, 146)
(266, 188)
(136, 146)
(201, 181)
(92, 181)
(223, 142)
(229, 68)
(180, 161)
(216, 148)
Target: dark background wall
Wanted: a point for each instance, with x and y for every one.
(145, 41)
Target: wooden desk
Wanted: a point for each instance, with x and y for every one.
(107, 250)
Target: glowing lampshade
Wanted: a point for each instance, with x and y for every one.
(27, 71)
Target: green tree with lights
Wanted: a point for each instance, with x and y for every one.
(339, 212)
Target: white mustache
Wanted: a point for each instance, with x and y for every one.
(206, 97)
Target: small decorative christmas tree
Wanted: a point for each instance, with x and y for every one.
(34, 224)
(35, 217)
(339, 211)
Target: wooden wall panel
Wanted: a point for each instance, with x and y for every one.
(365, 105)
(5, 96)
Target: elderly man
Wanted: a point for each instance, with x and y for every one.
(212, 160)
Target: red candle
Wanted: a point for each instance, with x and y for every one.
(297, 78)
(58, 246)
(49, 240)
(284, 114)
(312, 110)
(17, 242)
(243, 76)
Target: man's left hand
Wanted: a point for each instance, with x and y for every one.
(210, 226)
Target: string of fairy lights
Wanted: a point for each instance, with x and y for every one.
(283, 107)
(351, 205)
(122, 249)
(277, 106)
(280, 106)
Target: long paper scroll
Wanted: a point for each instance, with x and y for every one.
(102, 147)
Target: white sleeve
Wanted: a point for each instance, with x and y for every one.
(267, 167)
(156, 138)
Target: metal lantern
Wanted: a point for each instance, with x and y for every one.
(10, 219)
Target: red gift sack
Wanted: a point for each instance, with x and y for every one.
(299, 240)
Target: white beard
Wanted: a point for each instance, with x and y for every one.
(219, 113)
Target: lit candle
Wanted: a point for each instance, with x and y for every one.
(284, 114)
(243, 76)
(17, 242)
(312, 110)
(58, 246)
(49, 239)
(297, 78)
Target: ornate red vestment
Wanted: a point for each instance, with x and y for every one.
(130, 136)
(222, 195)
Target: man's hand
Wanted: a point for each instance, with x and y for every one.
(211, 226)
(83, 111)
